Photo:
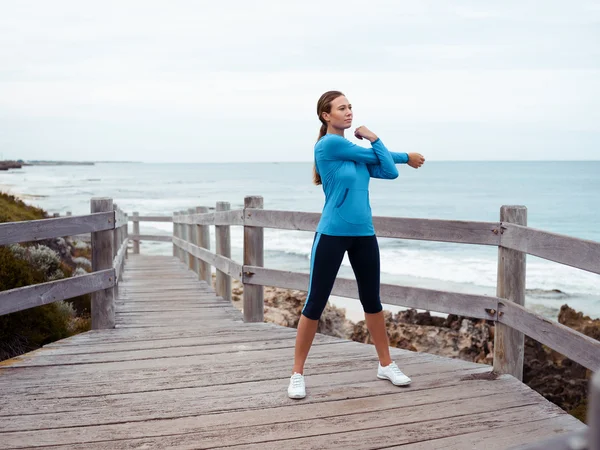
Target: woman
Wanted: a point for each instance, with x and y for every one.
(346, 225)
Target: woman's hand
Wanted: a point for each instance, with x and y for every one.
(415, 160)
(364, 132)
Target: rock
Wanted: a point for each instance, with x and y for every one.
(577, 321)
(284, 306)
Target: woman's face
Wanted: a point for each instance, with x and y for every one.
(340, 116)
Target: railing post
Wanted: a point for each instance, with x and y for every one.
(223, 248)
(203, 239)
(253, 256)
(509, 344)
(192, 240)
(175, 235)
(136, 232)
(126, 235)
(593, 413)
(184, 236)
(115, 249)
(103, 306)
(121, 240)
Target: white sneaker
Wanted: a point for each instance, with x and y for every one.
(296, 389)
(392, 373)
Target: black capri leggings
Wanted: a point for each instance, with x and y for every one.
(326, 257)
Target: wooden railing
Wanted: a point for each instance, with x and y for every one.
(108, 227)
(511, 235)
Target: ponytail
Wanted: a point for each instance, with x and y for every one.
(323, 105)
(316, 176)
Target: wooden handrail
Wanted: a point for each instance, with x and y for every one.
(37, 230)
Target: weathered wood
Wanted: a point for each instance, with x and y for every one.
(229, 217)
(203, 239)
(126, 236)
(115, 251)
(183, 235)
(149, 237)
(119, 260)
(120, 219)
(36, 230)
(509, 343)
(225, 265)
(196, 219)
(102, 305)
(136, 232)
(253, 256)
(580, 253)
(593, 413)
(53, 291)
(182, 378)
(485, 233)
(176, 249)
(478, 306)
(574, 345)
(529, 430)
(570, 441)
(223, 248)
(191, 238)
(152, 218)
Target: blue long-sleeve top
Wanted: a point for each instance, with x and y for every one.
(346, 169)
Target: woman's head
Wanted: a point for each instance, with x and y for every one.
(334, 112)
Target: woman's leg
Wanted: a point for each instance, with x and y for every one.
(364, 257)
(326, 257)
(378, 332)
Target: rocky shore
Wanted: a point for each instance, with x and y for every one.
(560, 380)
(6, 165)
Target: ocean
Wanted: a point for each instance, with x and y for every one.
(561, 197)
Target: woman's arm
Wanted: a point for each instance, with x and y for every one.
(337, 148)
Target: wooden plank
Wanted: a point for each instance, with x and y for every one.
(150, 237)
(120, 218)
(478, 306)
(574, 345)
(119, 259)
(197, 219)
(593, 414)
(53, 291)
(226, 265)
(36, 230)
(567, 441)
(136, 231)
(31, 413)
(501, 438)
(509, 343)
(394, 432)
(103, 301)
(229, 217)
(581, 253)
(253, 297)
(289, 422)
(151, 218)
(203, 239)
(223, 248)
(466, 232)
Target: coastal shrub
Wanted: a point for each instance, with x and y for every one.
(14, 210)
(27, 330)
(41, 258)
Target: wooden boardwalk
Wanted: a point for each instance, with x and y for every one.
(183, 371)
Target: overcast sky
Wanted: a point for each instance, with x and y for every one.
(239, 80)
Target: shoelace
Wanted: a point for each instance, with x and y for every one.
(396, 369)
(296, 381)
